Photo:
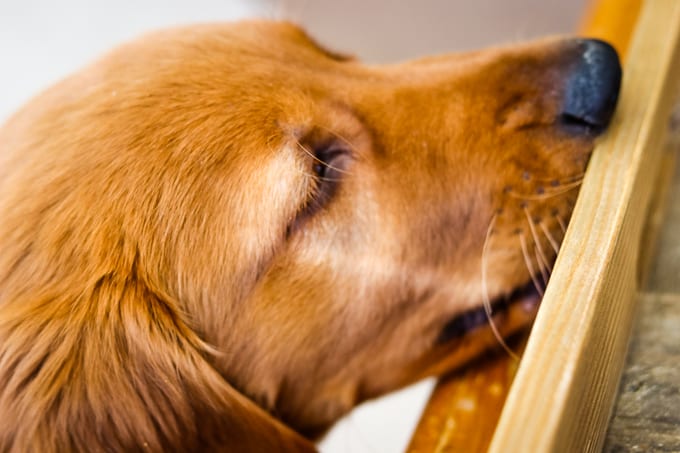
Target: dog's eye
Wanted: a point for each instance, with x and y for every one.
(329, 163)
(329, 166)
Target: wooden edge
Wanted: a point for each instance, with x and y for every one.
(562, 396)
(447, 423)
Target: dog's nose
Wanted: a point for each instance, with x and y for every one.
(593, 86)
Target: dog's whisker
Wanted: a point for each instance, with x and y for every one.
(542, 260)
(340, 136)
(485, 247)
(321, 178)
(545, 272)
(485, 292)
(304, 173)
(316, 177)
(546, 232)
(547, 194)
(529, 264)
(561, 223)
(565, 180)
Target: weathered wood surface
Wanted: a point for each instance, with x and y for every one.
(647, 414)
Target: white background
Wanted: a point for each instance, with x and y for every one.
(42, 41)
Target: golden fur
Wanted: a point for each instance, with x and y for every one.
(179, 273)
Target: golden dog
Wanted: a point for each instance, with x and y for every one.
(224, 237)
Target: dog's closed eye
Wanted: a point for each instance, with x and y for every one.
(330, 160)
(330, 164)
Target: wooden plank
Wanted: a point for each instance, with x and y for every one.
(443, 425)
(562, 396)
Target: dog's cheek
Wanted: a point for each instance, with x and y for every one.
(237, 229)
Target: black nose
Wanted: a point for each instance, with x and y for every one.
(593, 86)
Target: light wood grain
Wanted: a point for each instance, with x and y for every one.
(562, 396)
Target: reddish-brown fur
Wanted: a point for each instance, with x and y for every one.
(168, 280)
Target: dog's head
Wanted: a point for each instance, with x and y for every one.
(234, 207)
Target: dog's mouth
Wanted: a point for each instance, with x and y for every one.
(526, 297)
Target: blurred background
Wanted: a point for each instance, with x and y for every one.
(42, 41)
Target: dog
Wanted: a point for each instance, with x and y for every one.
(224, 237)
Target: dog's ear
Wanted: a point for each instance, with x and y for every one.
(116, 368)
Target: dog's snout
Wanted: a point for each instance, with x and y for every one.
(592, 87)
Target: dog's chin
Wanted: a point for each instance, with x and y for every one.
(524, 299)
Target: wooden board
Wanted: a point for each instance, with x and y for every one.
(562, 396)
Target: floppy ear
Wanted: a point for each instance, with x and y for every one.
(117, 369)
